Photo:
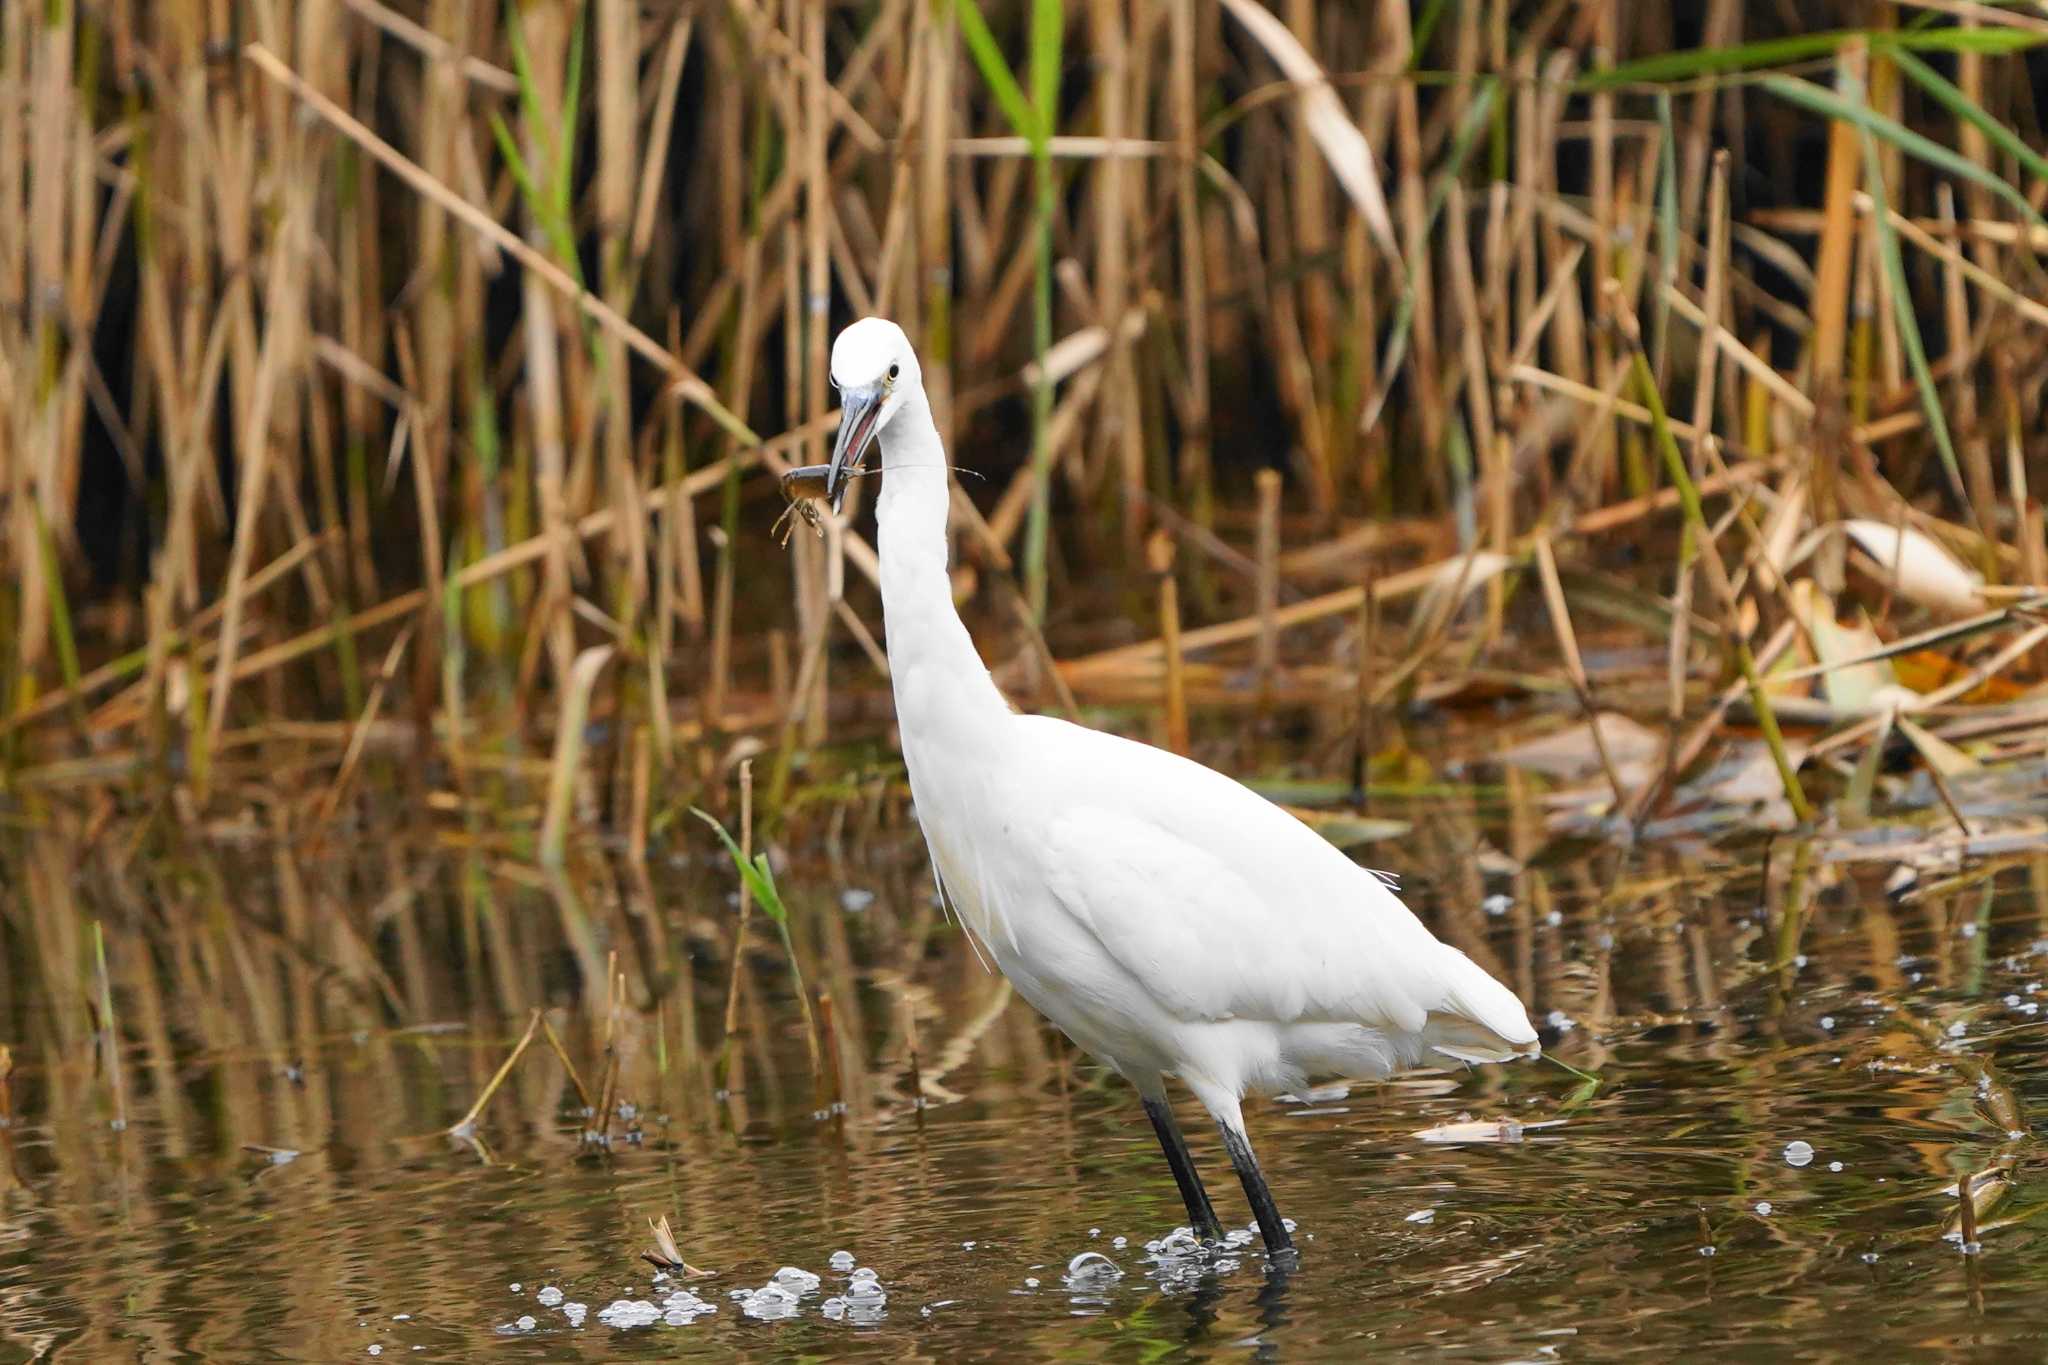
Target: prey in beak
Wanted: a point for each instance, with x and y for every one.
(859, 411)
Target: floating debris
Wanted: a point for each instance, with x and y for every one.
(1482, 1130)
(666, 1255)
(1422, 1216)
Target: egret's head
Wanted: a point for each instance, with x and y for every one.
(874, 369)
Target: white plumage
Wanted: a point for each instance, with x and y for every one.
(1168, 920)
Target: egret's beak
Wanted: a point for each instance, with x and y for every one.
(859, 409)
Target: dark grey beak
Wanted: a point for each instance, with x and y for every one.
(859, 410)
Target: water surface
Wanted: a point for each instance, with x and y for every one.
(1729, 1008)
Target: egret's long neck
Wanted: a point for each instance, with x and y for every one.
(943, 690)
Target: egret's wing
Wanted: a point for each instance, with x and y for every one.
(1223, 905)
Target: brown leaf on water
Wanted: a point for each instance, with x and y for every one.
(1571, 753)
(666, 1254)
(1928, 670)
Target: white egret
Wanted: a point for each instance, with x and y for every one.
(1169, 920)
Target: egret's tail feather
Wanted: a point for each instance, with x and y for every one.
(1479, 1020)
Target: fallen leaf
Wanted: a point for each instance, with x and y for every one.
(1918, 568)
(1571, 753)
(1851, 689)
(1454, 580)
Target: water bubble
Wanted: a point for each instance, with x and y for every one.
(1095, 1232)
(1827, 1021)
(1092, 1270)
(1798, 1152)
(625, 1313)
(1968, 929)
(1970, 1248)
(853, 900)
(548, 1297)
(1763, 1208)
(1834, 1165)
(1707, 1250)
(515, 1286)
(1554, 919)
(841, 1261)
(796, 1281)
(375, 1349)
(526, 1322)
(834, 1308)
(1120, 1242)
(864, 1274)
(1870, 1258)
(574, 1312)
(1958, 1029)
(967, 1246)
(1031, 1282)
(1497, 904)
(1179, 1242)
(770, 1303)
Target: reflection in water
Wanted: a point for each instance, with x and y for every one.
(283, 1186)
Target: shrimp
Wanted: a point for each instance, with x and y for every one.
(804, 487)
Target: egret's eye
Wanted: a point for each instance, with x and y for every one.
(892, 371)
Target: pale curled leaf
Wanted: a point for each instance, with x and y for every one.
(1918, 568)
(1339, 139)
(1851, 688)
(1454, 580)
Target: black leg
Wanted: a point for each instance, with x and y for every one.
(1201, 1216)
(1278, 1242)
